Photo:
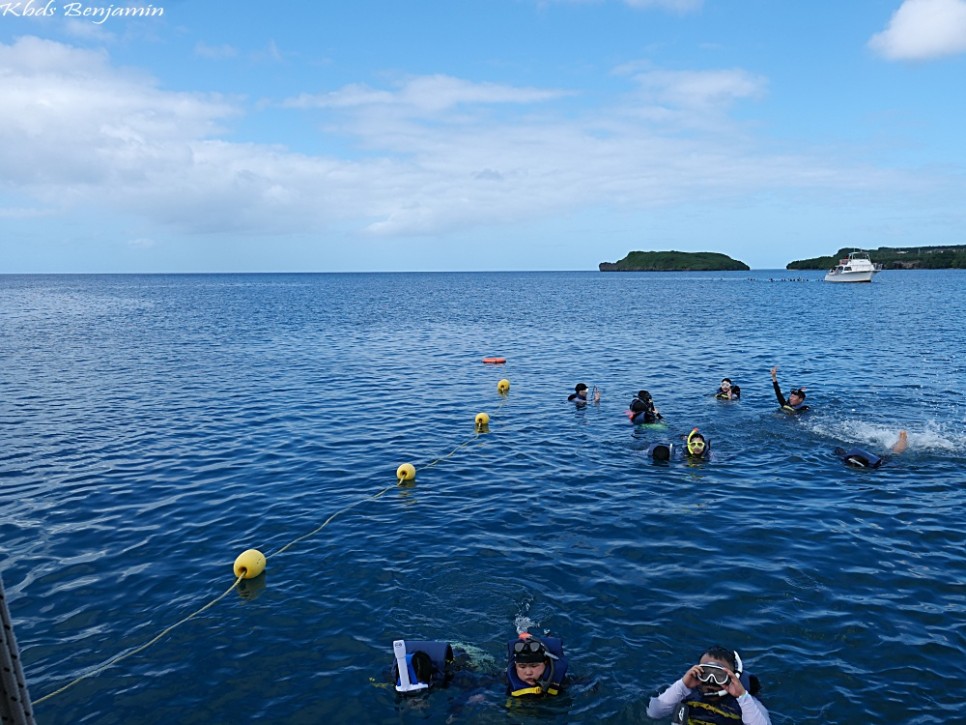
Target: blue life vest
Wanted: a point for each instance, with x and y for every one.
(427, 662)
(859, 458)
(551, 683)
(643, 418)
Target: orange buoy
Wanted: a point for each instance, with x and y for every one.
(494, 360)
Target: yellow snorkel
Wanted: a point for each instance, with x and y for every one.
(695, 447)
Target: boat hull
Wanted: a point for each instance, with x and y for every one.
(849, 276)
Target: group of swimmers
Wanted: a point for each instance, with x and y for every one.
(642, 411)
(716, 690)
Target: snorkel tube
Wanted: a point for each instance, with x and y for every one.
(693, 448)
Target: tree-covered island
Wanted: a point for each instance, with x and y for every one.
(675, 262)
(952, 257)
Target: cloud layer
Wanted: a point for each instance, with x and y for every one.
(425, 155)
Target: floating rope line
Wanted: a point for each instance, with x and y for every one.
(251, 563)
(114, 660)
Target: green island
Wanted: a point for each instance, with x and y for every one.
(675, 262)
(951, 257)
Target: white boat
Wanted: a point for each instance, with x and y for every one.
(857, 268)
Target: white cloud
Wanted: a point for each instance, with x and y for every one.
(700, 89)
(923, 29)
(426, 95)
(433, 154)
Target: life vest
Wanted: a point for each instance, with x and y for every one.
(800, 408)
(645, 417)
(699, 710)
(734, 395)
(551, 683)
(859, 458)
(427, 663)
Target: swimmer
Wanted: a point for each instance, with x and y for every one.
(796, 397)
(715, 690)
(536, 666)
(727, 391)
(859, 458)
(642, 410)
(698, 447)
(580, 394)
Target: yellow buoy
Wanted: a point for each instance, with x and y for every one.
(406, 472)
(250, 564)
(503, 387)
(482, 422)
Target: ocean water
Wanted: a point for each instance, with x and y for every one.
(156, 426)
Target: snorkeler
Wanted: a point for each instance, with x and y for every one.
(580, 394)
(535, 665)
(696, 448)
(796, 397)
(642, 410)
(727, 391)
(714, 691)
(859, 458)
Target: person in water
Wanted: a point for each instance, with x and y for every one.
(642, 410)
(580, 394)
(796, 397)
(535, 666)
(727, 391)
(715, 691)
(696, 448)
(859, 458)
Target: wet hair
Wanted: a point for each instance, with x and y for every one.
(661, 452)
(580, 386)
(726, 380)
(644, 395)
(720, 653)
(797, 391)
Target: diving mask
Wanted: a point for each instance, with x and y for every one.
(715, 674)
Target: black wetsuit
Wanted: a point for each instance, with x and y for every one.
(800, 408)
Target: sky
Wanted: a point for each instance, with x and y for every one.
(474, 135)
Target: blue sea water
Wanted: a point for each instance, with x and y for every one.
(156, 426)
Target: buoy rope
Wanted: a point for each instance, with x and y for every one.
(167, 630)
(118, 658)
(325, 523)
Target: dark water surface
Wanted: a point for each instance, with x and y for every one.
(156, 426)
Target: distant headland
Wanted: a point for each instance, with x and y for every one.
(675, 262)
(953, 257)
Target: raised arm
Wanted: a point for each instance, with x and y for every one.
(778, 390)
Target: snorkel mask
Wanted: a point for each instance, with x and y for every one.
(717, 675)
(696, 443)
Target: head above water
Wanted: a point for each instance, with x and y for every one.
(529, 651)
(644, 395)
(798, 393)
(696, 443)
(580, 387)
(725, 383)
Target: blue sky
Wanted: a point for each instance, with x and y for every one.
(475, 135)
